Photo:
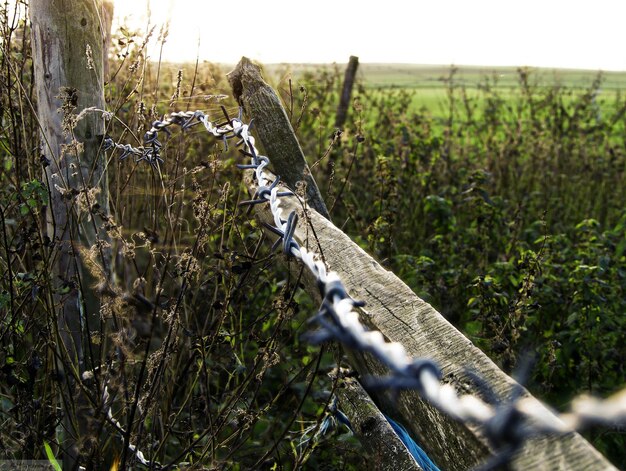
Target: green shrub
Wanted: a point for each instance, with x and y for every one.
(506, 214)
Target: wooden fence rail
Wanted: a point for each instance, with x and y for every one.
(401, 316)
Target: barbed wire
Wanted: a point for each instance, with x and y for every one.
(107, 403)
(507, 425)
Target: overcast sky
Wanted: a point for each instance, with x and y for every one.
(546, 33)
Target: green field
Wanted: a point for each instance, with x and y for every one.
(427, 83)
(417, 76)
(426, 76)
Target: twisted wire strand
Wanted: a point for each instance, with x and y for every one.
(107, 403)
(138, 453)
(506, 425)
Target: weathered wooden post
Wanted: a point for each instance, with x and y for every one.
(274, 130)
(346, 92)
(279, 140)
(385, 450)
(67, 38)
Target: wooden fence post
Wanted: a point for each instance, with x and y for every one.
(401, 316)
(68, 61)
(394, 310)
(348, 83)
(274, 130)
(277, 135)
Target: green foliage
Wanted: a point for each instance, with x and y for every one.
(506, 213)
(34, 195)
(50, 455)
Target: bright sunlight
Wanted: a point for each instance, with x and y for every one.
(565, 34)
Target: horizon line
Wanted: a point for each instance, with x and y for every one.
(405, 64)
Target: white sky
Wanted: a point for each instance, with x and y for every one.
(544, 33)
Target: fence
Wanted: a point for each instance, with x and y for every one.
(455, 401)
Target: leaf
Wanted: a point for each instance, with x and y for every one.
(53, 461)
(474, 328)
(66, 288)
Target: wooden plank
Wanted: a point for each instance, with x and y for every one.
(401, 316)
(384, 449)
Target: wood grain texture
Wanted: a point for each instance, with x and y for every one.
(68, 61)
(274, 130)
(401, 316)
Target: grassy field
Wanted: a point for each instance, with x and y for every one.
(427, 83)
(417, 76)
(426, 76)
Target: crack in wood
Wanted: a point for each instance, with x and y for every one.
(410, 329)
